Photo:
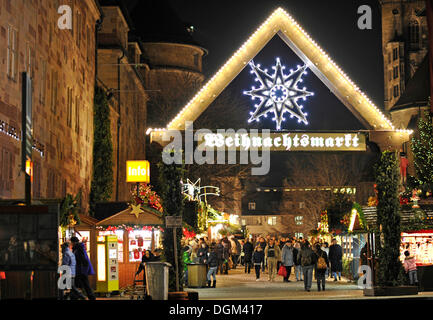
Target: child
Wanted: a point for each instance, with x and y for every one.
(258, 260)
(410, 267)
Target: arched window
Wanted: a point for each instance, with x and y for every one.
(414, 31)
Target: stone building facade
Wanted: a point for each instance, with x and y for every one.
(122, 75)
(406, 64)
(61, 65)
(404, 44)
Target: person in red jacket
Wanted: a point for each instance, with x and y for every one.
(410, 268)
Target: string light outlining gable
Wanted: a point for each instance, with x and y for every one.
(278, 93)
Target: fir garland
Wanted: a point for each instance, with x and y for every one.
(390, 271)
(102, 180)
(130, 227)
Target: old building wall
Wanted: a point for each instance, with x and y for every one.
(122, 79)
(61, 64)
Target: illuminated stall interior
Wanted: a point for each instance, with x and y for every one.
(419, 244)
(136, 233)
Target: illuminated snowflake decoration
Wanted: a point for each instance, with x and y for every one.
(278, 93)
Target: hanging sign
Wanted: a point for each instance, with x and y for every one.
(173, 221)
(287, 141)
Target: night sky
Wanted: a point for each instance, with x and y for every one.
(223, 26)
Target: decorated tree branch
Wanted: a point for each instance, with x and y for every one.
(390, 271)
(422, 147)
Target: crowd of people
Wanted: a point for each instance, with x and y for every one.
(267, 254)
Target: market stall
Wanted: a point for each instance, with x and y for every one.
(137, 230)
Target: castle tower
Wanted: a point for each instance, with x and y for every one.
(173, 58)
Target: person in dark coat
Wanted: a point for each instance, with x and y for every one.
(212, 261)
(307, 259)
(226, 256)
(263, 244)
(219, 253)
(258, 258)
(147, 257)
(248, 255)
(202, 253)
(68, 259)
(336, 257)
(319, 271)
(84, 267)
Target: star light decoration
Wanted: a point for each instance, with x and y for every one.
(278, 93)
(136, 210)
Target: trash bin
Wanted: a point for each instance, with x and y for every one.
(157, 280)
(197, 275)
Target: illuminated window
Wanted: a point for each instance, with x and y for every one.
(301, 205)
(272, 221)
(299, 220)
(251, 206)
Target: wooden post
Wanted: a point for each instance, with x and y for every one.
(176, 260)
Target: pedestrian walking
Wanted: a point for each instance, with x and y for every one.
(68, 259)
(298, 267)
(219, 252)
(202, 252)
(226, 257)
(287, 259)
(322, 263)
(335, 258)
(263, 245)
(325, 247)
(410, 268)
(248, 255)
(257, 258)
(235, 252)
(242, 253)
(272, 254)
(212, 262)
(186, 258)
(84, 267)
(307, 260)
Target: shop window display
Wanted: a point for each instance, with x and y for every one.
(139, 242)
(420, 245)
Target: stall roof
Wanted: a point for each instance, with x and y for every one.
(370, 214)
(147, 217)
(88, 220)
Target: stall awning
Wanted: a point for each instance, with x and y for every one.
(148, 216)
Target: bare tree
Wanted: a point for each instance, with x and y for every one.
(319, 176)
